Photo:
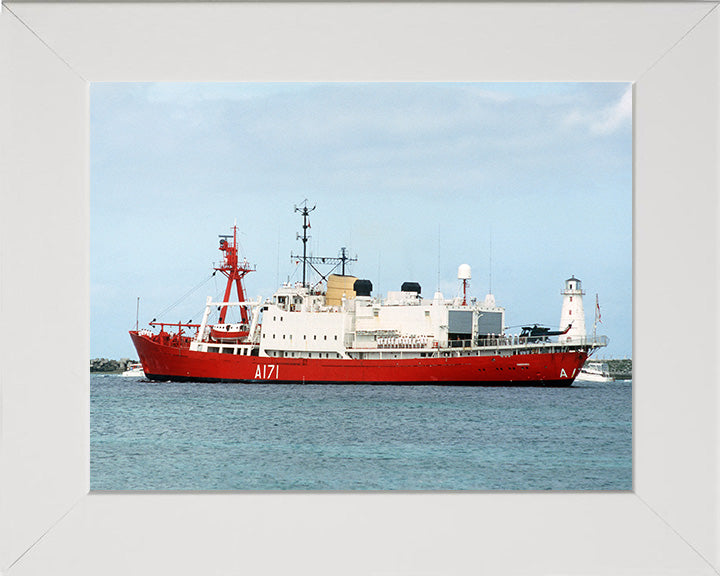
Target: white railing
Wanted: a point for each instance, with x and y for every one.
(594, 341)
(533, 343)
(500, 341)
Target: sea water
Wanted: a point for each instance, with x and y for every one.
(195, 436)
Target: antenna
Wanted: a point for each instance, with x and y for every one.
(491, 250)
(277, 261)
(343, 259)
(597, 314)
(378, 270)
(438, 260)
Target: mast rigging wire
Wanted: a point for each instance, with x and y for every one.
(184, 296)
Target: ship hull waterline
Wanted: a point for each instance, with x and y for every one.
(170, 363)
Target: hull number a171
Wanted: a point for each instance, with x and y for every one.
(266, 372)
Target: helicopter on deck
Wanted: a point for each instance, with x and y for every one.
(537, 333)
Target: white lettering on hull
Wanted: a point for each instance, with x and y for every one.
(563, 374)
(267, 372)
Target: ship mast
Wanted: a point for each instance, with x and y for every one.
(343, 259)
(305, 211)
(235, 271)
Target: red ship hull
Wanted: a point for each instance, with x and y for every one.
(170, 363)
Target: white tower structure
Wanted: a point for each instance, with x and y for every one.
(464, 274)
(572, 311)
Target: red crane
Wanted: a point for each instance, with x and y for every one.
(235, 271)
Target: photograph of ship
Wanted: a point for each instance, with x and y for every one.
(361, 286)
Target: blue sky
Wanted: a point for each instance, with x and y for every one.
(527, 183)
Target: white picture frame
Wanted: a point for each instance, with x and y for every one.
(50, 523)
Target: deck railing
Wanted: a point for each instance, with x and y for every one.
(507, 341)
(494, 342)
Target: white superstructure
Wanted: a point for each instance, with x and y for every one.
(572, 312)
(298, 322)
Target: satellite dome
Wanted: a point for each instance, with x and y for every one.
(464, 272)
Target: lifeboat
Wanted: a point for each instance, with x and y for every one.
(228, 332)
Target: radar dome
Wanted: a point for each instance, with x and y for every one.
(464, 272)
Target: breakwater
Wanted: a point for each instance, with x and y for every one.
(620, 369)
(107, 365)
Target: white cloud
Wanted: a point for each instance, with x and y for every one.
(606, 120)
(615, 116)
